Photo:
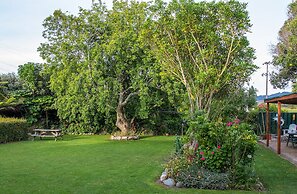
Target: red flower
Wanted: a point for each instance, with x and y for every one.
(196, 146)
(219, 147)
(201, 153)
(202, 159)
(229, 124)
(212, 153)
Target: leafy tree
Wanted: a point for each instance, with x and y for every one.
(203, 46)
(9, 83)
(101, 70)
(238, 104)
(285, 53)
(35, 93)
(10, 105)
(2, 90)
(33, 79)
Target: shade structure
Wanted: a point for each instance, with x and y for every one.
(284, 99)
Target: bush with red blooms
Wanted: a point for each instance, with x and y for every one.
(217, 151)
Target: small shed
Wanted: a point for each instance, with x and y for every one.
(285, 99)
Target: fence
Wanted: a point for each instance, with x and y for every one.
(288, 119)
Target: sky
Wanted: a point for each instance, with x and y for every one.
(21, 31)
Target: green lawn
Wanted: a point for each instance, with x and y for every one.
(94, 164)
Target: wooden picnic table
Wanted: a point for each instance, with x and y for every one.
(54, 133)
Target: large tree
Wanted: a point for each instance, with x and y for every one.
(99, 65)
(35, 94)
(203, 45)
(285, 52)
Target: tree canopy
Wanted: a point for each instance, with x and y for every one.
(138, 60)
(100, 68)
(285, 52)
(203, 45)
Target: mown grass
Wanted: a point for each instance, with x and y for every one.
(277, 174)
(94, 164)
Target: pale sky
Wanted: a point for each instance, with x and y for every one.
(21, 30)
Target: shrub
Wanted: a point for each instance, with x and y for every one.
(13, 129)
(201, 178)
(222, 152)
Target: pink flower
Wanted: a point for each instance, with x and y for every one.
(201, 153)
(236, 121)
(212, 153)
(202, 159)
(229, 124)
(219, 147)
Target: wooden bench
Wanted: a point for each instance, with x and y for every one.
(52, 133)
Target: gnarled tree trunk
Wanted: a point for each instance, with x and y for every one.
(122, 122)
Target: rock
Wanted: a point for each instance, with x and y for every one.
(179, 185)
(163, 177)
(169, 182)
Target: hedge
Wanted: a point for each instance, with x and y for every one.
(13, 129)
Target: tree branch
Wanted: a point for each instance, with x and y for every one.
(123, 103)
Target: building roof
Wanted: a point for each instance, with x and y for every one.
(284, 99)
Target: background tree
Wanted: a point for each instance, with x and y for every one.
(237, 105)
(35, 95)
(285, 52)
(9, 83)
(203, 45)
(10, 104)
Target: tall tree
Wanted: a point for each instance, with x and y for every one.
(33, 79)
(35, 93)
(285, 52)
(99, 65)
(204, 46)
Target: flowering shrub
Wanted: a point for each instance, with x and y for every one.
(218, 148)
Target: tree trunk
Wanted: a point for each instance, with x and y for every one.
(122, 122)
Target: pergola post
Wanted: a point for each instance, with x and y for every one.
(284, 99)
(267, 125)
(279, 114)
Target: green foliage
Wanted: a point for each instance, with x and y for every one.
(9, 84)
(237, 104)
(33, 80)
(284, 53)
(209, 55)
(12, 129)
(36, 106)
(102, 71)
(36, 97)
(196, 177)
(216, 147)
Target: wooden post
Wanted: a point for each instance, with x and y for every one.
(279, 114)
(267, 125)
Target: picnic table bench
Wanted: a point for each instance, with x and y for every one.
(54, 133)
